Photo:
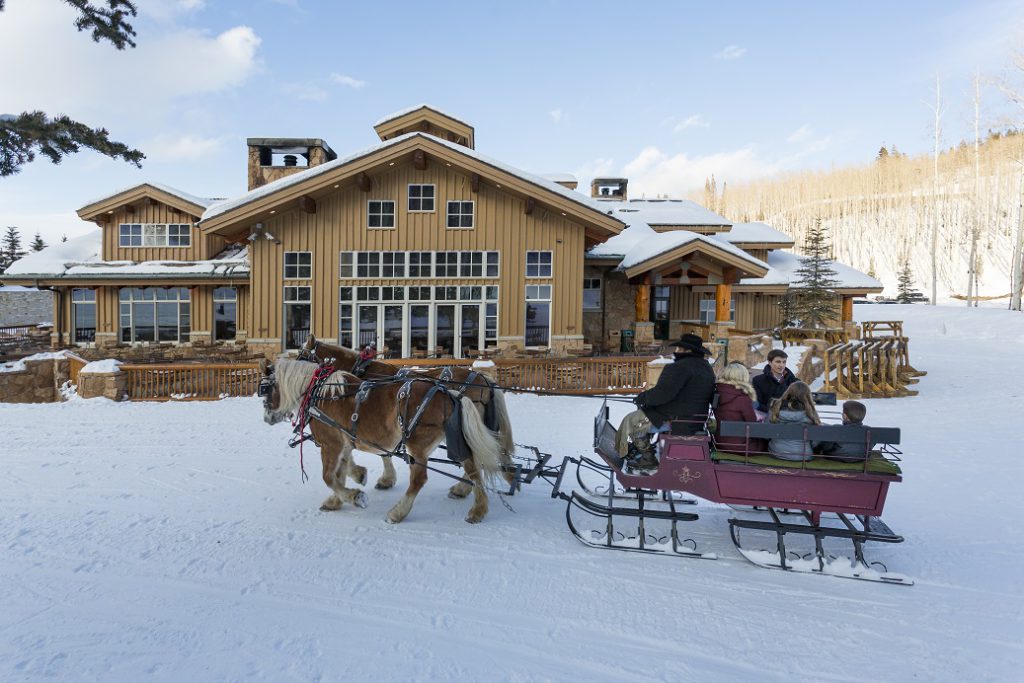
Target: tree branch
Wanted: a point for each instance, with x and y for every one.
(23, 136)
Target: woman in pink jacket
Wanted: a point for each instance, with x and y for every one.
(736, 404)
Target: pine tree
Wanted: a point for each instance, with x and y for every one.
(24, 136)
(816, 280)
(883, 154)
(787, 309)
(10, 248)
(37, 243)
(905, 292)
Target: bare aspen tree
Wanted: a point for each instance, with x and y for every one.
(1017, 263)
(938, 111)
(972, 266)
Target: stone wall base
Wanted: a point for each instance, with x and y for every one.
(112, 385)
(39, 382)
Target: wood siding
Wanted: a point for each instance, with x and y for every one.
(340, 224)
(201, 247)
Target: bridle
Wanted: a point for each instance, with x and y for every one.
(265, 390)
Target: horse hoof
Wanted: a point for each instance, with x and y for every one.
(455, 495)
(383, 485)
(327, 508)
(474, 520)
(360, 500)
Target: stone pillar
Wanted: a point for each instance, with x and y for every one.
(487, 368)
(112, 385)
(654, 369)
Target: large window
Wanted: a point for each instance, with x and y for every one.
(298, 316)
(155, 314)
(460, 214)
(298, 265)
(418, 264)
(591, 294)
(380, 214)
(538, 264)
(225, 313)
(155, 235)
(538, 315)
(707, 311)
(83, 312)
(421, 198)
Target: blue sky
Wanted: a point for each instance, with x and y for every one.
(664, 93)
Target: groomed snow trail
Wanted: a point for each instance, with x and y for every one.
(175, 542)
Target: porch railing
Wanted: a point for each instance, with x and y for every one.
(191, 382)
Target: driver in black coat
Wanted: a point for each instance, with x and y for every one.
(683, 392)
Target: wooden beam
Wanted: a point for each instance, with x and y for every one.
(129, 209)
(723, 295)
(531, 203)
(642, 302)
(175, 210)
(474, 182)
(419, 160)
(364, 182)
(847, 315)
(730, 275)
(150, 201)
(307, 204)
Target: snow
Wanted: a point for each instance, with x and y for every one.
(409, 110)
(101, 366)
(80, 257)
(19, 365)
(665, 212)
(784, 264)
(661, 242)
(754, 233)
(483, 364)
(190, 198)
(301, 176)
(175, 541)
(559, 177)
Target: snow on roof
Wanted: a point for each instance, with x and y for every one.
(559, 177)
(190, 198)
(782, 266)
(639, 242)
(758, 233)
(80, 258)
(301, 176)
(665, 212)
(409, 110)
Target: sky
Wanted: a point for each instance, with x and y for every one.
(662, 93)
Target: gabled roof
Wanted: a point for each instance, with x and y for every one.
(782, 273)
(674, 212)
(165, 194)
(425, 118)
(756, 236)
(257, 203)
(415, 108)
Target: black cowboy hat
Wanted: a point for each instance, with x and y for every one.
(692, 342)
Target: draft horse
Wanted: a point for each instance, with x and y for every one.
(475, 386)
(380, 421)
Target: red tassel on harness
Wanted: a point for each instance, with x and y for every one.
(302, 414)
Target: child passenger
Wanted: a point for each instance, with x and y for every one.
(849, 451)
(735, 404)
(795, 407)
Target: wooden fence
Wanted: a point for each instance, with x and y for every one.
(75, 365)
(191, 382)
(874, 368)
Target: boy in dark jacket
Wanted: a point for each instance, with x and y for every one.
(849, 451)
(773, 382)
(683, 392)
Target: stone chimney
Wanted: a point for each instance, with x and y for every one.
(609, 188)
(274, 158)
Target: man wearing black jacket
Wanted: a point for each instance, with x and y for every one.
(683, 392)
(773, 382)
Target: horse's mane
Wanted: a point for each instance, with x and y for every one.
(292, 378)
(347, 357)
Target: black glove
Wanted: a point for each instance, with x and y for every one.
(638, 400)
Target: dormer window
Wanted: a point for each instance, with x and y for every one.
(155, 235)
(421, 198)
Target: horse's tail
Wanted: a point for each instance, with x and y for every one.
(508, 444)
(482, 442)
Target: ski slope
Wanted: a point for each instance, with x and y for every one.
(177, 542)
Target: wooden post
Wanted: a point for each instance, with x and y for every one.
(847, 309)
(643, 303)
(723, 298)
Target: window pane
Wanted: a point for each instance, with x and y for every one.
(537, 323)
(224, 321)
(143, 322)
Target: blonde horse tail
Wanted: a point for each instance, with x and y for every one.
(482, 441)
(508, 444)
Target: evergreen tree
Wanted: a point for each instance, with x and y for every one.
(816, 280)
(63, 238)
(905, 292)
(787, 309)
(37, 243)
(883, 154)
(30, 133)
(10, 248)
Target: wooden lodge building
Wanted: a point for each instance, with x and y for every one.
(419, 243)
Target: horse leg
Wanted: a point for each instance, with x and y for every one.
(337, 459)
(460, 489)
(389, 477)
(356, 472)
(480, 502)
(417, 478)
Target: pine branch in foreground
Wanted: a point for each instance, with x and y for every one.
(25, 135)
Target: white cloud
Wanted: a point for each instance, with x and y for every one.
(310, 92)
(595, 168)
(556, 115)
(731, 52)
(74, 75)
(653, 172)
(800, 134)
(342, 79)
(695, 121)
(167, 147)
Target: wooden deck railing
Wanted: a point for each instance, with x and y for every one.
(75, 365)
(191, 382)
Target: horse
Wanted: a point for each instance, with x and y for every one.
(475, 386)
(377, 429)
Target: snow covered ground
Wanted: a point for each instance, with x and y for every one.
(176, 542)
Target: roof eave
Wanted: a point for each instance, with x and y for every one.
(91, 212)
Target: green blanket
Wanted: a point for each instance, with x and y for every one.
(876, 464)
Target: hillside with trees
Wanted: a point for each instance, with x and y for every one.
(880, 215)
